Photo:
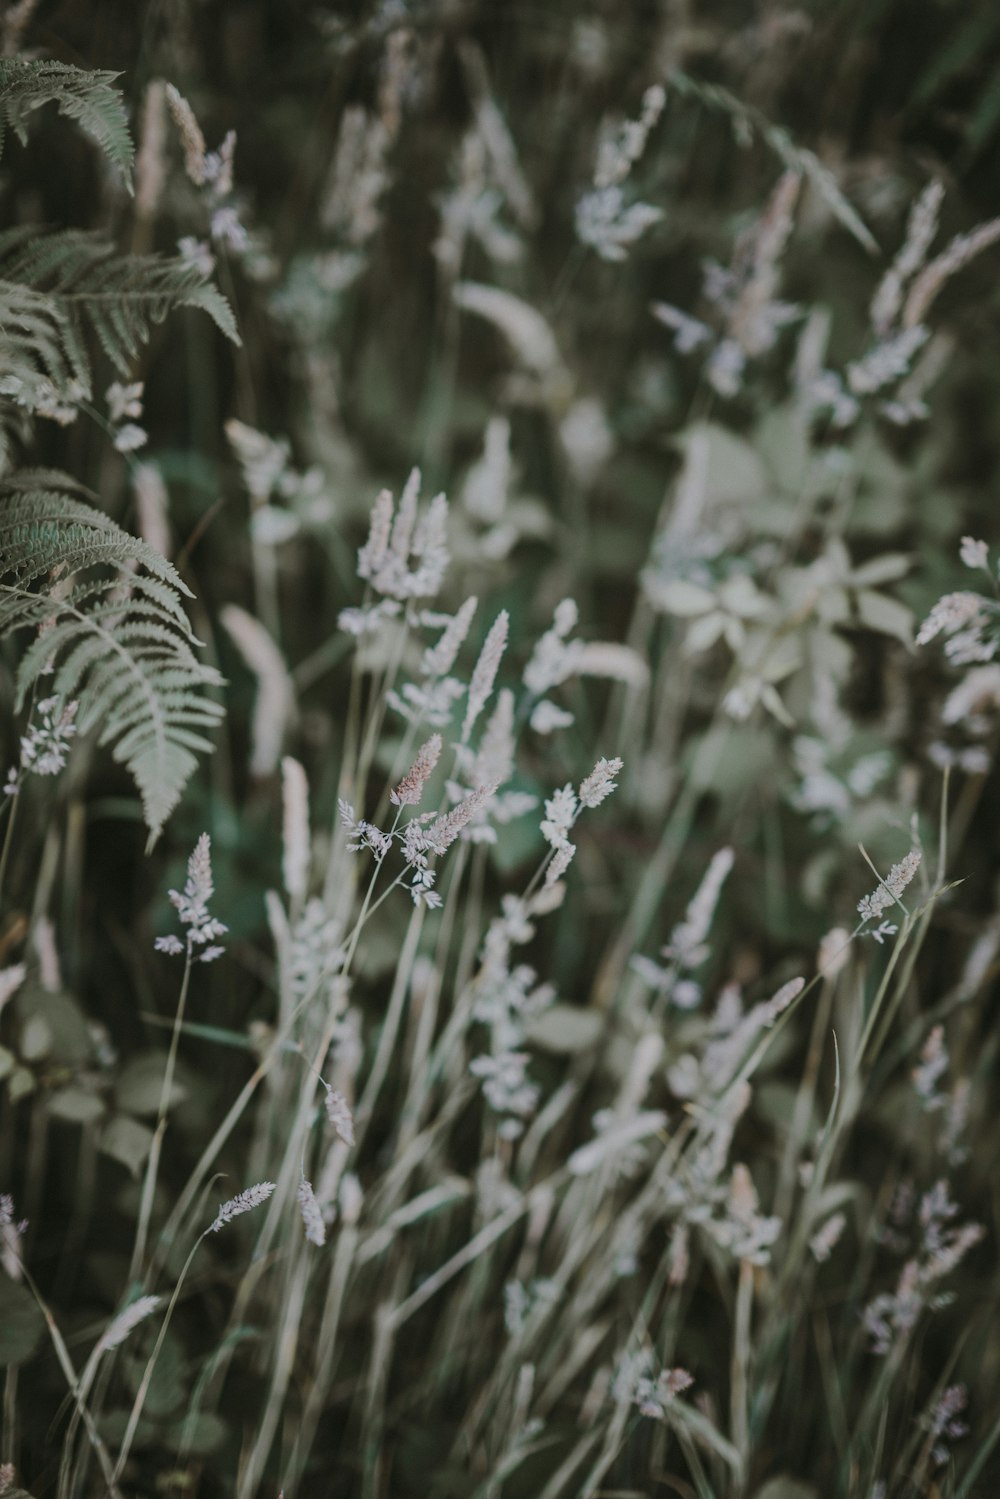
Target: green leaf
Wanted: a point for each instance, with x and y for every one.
(84, 96)
(127, 1141)
(21, 1323)
(565, 1030)
(125, 653)
(140, 1084)
(885, 615)
(75, 1105)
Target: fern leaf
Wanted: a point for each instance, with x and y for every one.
(56, 288)
(84, 96)
(110, 631)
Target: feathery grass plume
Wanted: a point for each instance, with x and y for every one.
(495, 757)
(372, 555)
(312, 1216)
(559, 863)
(338, 1112)
(687, 940)
(243, 1202)
(756, 316)
(600, 783)
(920, 231)
(295, 828)
(485, 672)
(191, 905)
(411, 788)
(274, 709)
(445, 829)
(439, 659)
(118, 1330)
(393, 539)
(604, 220)
(888, 892)
(192, 140)
(962, 249)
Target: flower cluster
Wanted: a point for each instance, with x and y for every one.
(191, 905)
(45, 747)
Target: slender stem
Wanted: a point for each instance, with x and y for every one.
(153, 1163)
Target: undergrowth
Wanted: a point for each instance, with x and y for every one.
(499, 615)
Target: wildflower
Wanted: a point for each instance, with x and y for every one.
(45, 747)
(312, 1217)
(560, 863)
(883, 930)
(944, 1423)
(975, 554)
(689, 333)
(823, 1242)
(891, 888)
(560, 814)
(554, 658)
(955, 611)
(600, 783)
(364, 834)
(243, 1202)
(920, 231)
(124, 401)
(653, 1396)
(933, 1064)
(191, 905)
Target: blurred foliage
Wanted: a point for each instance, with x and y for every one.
(389, 160)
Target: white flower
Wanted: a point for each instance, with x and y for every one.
(973, 553)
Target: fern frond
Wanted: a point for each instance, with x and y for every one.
(110, 631)
(56, 288)
(84, 96)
